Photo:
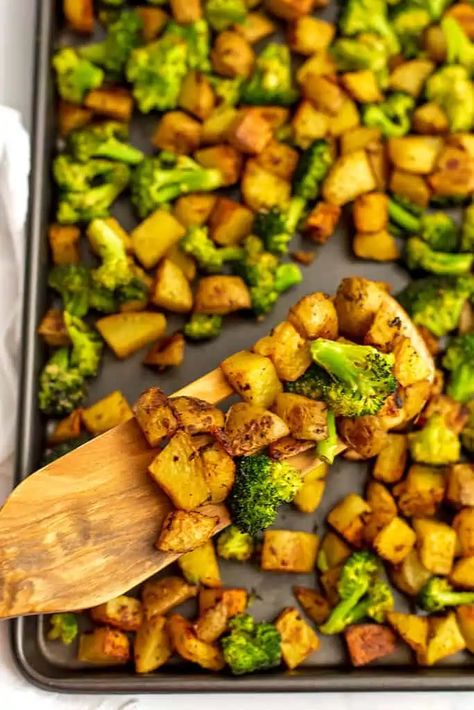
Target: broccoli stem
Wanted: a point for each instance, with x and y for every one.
(403, 218)
(343, 615)
(327, 449)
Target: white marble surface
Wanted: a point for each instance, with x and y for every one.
(16, 55)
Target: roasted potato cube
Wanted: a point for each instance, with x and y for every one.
(179, 471)
(350, 176)
(366, 435)
(105, 647)
(306, 418)
(64, 243)
(346, 518)
(79, 15)
(414, 187)
(107, 413)
(153, 237)
(186, 643)
(384, 509)
(308, 124)
(197, 416)
(465, 619)
(321, 222)
(177, 132)
(125, 333)
(463, 524)
(369, 642)
(332, 552)
(434, 43)
(71, 116)
(250, 132)
(124, 613)
(314, 605)
(113, 101)
(362, 86)
(229, 222)
(314, 316)
(410, 77)
(394, 541)
(253, 377)
(391, 460)
(410, 576)
(287, 349)
(444, 639)
(409, 366)
(200, 566)
(359, 138)
(251, 428)
(415, 154)
(462, 574)
(213, 623)
(430, 118)
(454, 173)
(261, 189)
(183, 531)
(234, 599)
(378, 161)
(357, 301)
(219, 295)
(255, 27)
(411, 628)
(370, 212)
(279, 158)
(219, 471)
(346, 118)
(171, 289)
(166, 352)
(289, 551)
(287, 447)
(414, 398)
(67, 428)
(232, 55)
(186, 11)
(224, 158)
(298, 640)
(310, 495)
(155, 416)
(308, 35)
(153, 19)
(53, 329)
(152, 647)
(193, 209)
(323, 93)
(436, 543)
(460, 489)
(329, 581)
(383, 332)
(217, 126)
(161, 595)
(377, 246)
(289, 9)
(422, 491)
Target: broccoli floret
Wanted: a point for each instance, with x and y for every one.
(197, 243)
(227, 91)
(104, 140)
(161, 179)
(365, 52)
(438, 594)
(436, 444)
(277, 226)
(311, 170)
(72, 283)
(467, 436)
(440, 231)
(326, 449)
(123, 35)
(221, 14)
(203, 327)
(63, 627)
(233, 544)
(419, 255)
(271, 81)
(352, 379)
(86, 346)
(436, 302)
(195, 36)
(459, 48)
(392, 116)
(459, 360)
(358, 576)
(251, 646)
(55, 452)
(374, 605)
(408, 20)
(467, 232)
(75, 77)
(361, 16)
(61, 386)
(451, 88)
(261, 486)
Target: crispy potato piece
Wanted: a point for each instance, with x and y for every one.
(68, 428)
(465, 619)
(161, 595)
(279, 158)
(234, 599)
(383, 332)
(229, 222)
(53, 329)
(125, 333)
(410, 576)
(71, 116)
(171, 289)
(321, 222)
(384, 509)
(298, 640)
(223, 157)
(369, 642)
(177, 132)
(155, 416)
(444, 639)
(183, 531)
(362, 86)
(415, 154)
(436, 543)
(261, 189)
(306, 418)
(422, 491)
(329, 581)
(370, 212)
(314, 316)
(200, 566)
(166, 352)
(314, 605)
(194, 209)
(460, 488)
(105, 647)
(463, 524)
(289, 9)
(287, 447)
(251, 428)
(79, 15)
(357, 301)
(289, 551)
(179, 471)
(332, 552)
(391, 459)
(347, 118)
(410, 77)
(366, 435)
(414, 398)
(463, 13)
(221, 295)
(253, 377)
(289, 352)
(108, 412)
(414, 187)
(153, 19)
(232, 55)
(120, 232)
(186, 11)
(376, 246)
(255, 27)
(349, 177)
(213, 623)
(152, 647)
(455, 176)
(346, 518)
(186, 643)
(219, 471)
(147, 248)
(64, 243)
(413, 629)
(308, 124)
(196, 416)
(123, 612)
(310, 495)
(323, 93)
(434, 43)
(250, 131)
(462, 574)
(409, 366)
(217, 126)
(112, 101)
(359, 138)
(392, 414)
(308, 35)
(394, 541)
(430, 119)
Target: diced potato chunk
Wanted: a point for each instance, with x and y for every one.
(289, 551)
(314, 316)
(196, 416)
(166, 352)
(362, 86)
(289, 9)
(414, 187)
(229, 222)
(123, 612)
(161, 595)
(253, 377)
(410, 576)
(234, 599)
(154, 236)
(410, 366)
(430, 118)
(178, 133)
(250, 131)
(324, 94)
(196, 95)
(186, 11)
(365, 435)
(376, 246)
(152, 647)
(262, 189)
(444, 639)
(217, 126)
(309, 496)
(345, 119)
(219, 471)
(298, 640)
(306, 418)
(53, 329)
(279, 158)
(346, 518)
(350, 176)
(255, 27)
(332, 552)
(460, 490)
(224, 158)
(462, 574)
(411, 628)
(115, 102)
(308, 124)
(213, 623)
(220, 295)
(465, 619)
(359, 138)
(287, 447)
(67, 428)
(369, 642)
(154, 19)
(394, 541)
(155, 416)
(391, 461)
(384, 509)
(436, 544)
(79, 15)
(411, 76)
(415, 154)
(171, 289)
(315, 606)
(125, 333)
(64, 243)
(463, 524)
(105, 647)
(71, 116)
(251, 428)
(107, 413)
(200, 566)
(185, 641)
(194, 209)
(289, 352)
(308, 35)
(321, 222)
(421, 492)
(232, 55)
(183, 531)
(370, 212)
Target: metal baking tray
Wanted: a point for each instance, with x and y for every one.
(51, 665)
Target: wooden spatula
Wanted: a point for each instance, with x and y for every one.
(81, 530)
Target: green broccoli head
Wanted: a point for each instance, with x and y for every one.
(439, 231)
(467, 232)
(467, 436)
(61, 386)
(361, 16)
(327, 449)
(112, 53)
(459, 48)
(459, 360)
(409, 18)
(87, 346)
(392, 116)
(438, 594)
(251, 646)
(196, 38)
(365, 52)
(260, 487)
(103, 140)
(271, 81)
(436, 444)
(312, 168)
(210, 258)
(72, 282)
(277, 226)
(203, 327)
(221, 14)
(451, 88)
(64, 627)
(75, 77)
(233, 544)
(159, 180)
(419, 255)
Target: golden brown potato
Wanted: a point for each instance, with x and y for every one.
(308, 124)
(323, 93)
(289, 551)
(288, 351)
(454, 173)
(183, 531)
(463, 524)
(234, 599)
(460, 488)
(383, 332)
(179, 471)
(347, 118)
(124, 613)
(359, 138)
(125, 333)
(422, 491)
(253, 377)
(410, 77)
(200, 566)
(430, 118)
(362, 86)
(166, 352)
(71, 116)
(321, 222)
(329, 581)
(462, 574)
(255, 27)
(216, 127)
(186, 643)
(53, 329)
(279, 158)
(378, 161)
(229, 222)
(465, 619)
(224, 158)
(68, 428)
(410, 576)
(261, 189)
(444, 639)
(153, 20)
(105, 647)
(112, 101)
(152, 647)
(434, 43)
(193, 209)
(366, 435)
(306, 418)
(394, 541)
(410, 366)
(376, 246)
(250, 131)
(350, 176)
(289, 9)
(212, 623)
(155, 416)
(108, 412)
(314, 605)
(332, 552)
(309, 496)
(196, 416)
(370, 212)
(383, 510)
(161, 595)
(232, 55)
(463, 13)
(298, 640)
(369, 642)
(186, 11)
(414, 187)
(64, 243)
(308, 35)
(346, 518)
(79, 15)
(314, 316)
(413, 629)
(251, 428)
(177, 132)
(357, 301)
(287, 447)
(391, 459)
(171, 289)
(415, 154)
(219, 471)
(436, 544)
(220, 295)
(147, 248)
